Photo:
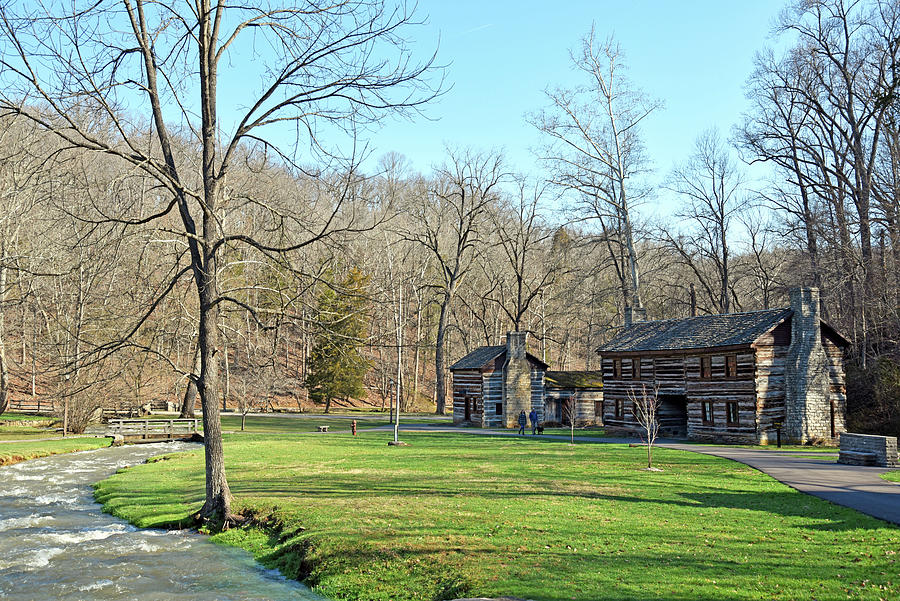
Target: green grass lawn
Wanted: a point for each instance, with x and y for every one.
(892, 476)
(283, 424)
(579, 432)
(458, 515)
(22, 426)
(25, 432)
(14, 452)
(21, 417)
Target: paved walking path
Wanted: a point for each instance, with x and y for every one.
(857, 487)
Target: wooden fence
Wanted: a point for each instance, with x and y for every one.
(34, 405)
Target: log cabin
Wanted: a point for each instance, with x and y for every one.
(493, 384)
(573, 394)
(733, 378)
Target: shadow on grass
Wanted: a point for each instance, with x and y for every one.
(787, 503)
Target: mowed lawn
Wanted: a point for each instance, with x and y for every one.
(456, 515)
(297, 424)
(20, 426)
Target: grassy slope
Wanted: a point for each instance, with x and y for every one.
(15, 417)
(14, 452)
(457, 515)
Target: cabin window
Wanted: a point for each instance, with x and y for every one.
(731, 412)
(730, 366)
(499, 409)
(620, 409)
(617, 369)
(705, 368)
(636, 368)
(707, 409)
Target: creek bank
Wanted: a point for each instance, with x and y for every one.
(59, 545)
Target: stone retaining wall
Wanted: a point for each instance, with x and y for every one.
(884, 448)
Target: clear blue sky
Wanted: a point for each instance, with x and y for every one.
(693, 55)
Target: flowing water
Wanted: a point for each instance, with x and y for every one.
(56, 543)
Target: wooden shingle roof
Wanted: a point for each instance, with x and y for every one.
(573, 379)
(477, 358)
(705, 331)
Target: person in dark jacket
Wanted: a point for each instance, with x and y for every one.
(522, 423)
(532, 417)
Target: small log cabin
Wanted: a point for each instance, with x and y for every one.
(733, 378)
(493, 384)
(581, 390)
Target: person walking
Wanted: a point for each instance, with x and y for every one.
(522, 423)
(533, 418)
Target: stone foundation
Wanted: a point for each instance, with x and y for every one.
(857, 449)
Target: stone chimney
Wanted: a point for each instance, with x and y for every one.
(634, 315)
(807, 384)
(516, 379)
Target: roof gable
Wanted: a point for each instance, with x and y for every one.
(706, 331)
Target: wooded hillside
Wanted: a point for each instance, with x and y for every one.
(95, 296)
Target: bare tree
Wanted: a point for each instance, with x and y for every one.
(530, 263)
(448, 222)
(645, 408)
(22, 170)
(595, 151)
(570, 416)
(113, 63)
(710, 184)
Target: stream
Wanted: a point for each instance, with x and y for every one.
(56, 543)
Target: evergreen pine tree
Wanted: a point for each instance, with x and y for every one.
(336, 367)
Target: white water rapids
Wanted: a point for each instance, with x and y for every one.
(56, 543)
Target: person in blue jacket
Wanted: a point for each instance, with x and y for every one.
(532, 417)
(522, 423)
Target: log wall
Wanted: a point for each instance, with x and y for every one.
(771, 362)
(493, 395)
(584, 399)
(469, 380)
(719, 390)
(537, 393)
(679, 381)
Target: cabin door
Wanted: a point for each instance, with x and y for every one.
(672, 415)
(469, 403)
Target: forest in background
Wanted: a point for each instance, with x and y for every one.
(336, 281)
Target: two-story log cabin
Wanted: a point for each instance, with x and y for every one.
(732, 378)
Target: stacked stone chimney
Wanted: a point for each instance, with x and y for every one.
(634, 315)
(516, 379)
(807, 385)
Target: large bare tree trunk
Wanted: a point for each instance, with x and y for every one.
(440, 386)
(217, 507)
(4, 370)
(190, 392)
